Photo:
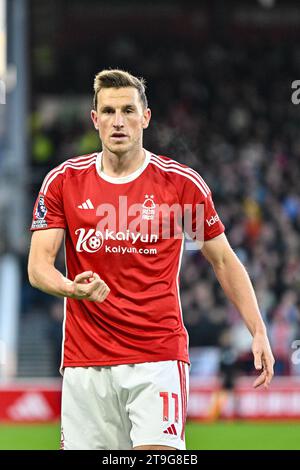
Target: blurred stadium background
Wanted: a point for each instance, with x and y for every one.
(220, 80)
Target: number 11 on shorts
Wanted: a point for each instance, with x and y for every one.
(167, 397)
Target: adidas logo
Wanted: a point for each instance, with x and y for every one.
(171, 430)
(30, 407)
(86, 205)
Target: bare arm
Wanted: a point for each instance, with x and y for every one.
(43, 275)
(237, 286)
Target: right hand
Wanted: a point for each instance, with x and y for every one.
(89, 286)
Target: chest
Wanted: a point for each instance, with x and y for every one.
(116, 206)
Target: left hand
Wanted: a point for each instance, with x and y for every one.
(263, 359)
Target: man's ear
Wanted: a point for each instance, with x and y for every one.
(94, 118)
(146, 118)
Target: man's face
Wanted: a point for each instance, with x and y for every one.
(120, 119)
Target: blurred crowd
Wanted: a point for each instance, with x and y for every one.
(224, 109)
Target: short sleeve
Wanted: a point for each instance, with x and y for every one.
(48, 210)
(201, 220)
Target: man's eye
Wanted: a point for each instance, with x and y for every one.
(129, 110)
(108, 111)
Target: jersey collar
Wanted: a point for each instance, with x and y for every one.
(122, 179)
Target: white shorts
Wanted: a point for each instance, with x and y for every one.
(125, 406)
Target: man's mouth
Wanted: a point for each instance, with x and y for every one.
(118, 135)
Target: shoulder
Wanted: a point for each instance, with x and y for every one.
(181, 175)
(72, 166)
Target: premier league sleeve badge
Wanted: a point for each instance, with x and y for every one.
(40, 214)
(41, 210)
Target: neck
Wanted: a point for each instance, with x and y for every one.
(124, 164)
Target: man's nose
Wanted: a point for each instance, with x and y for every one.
(118, 120)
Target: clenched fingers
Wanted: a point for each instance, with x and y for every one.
(100, 294)
(85, 290)
(90, 286)
(83, 277)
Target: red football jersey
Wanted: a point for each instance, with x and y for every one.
(110, 229)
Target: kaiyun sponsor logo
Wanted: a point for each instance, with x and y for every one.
(92, 240)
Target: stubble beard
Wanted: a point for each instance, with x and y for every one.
(121, 149)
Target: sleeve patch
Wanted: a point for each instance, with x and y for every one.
(40, 214)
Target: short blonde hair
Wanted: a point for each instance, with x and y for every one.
(115, 78)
